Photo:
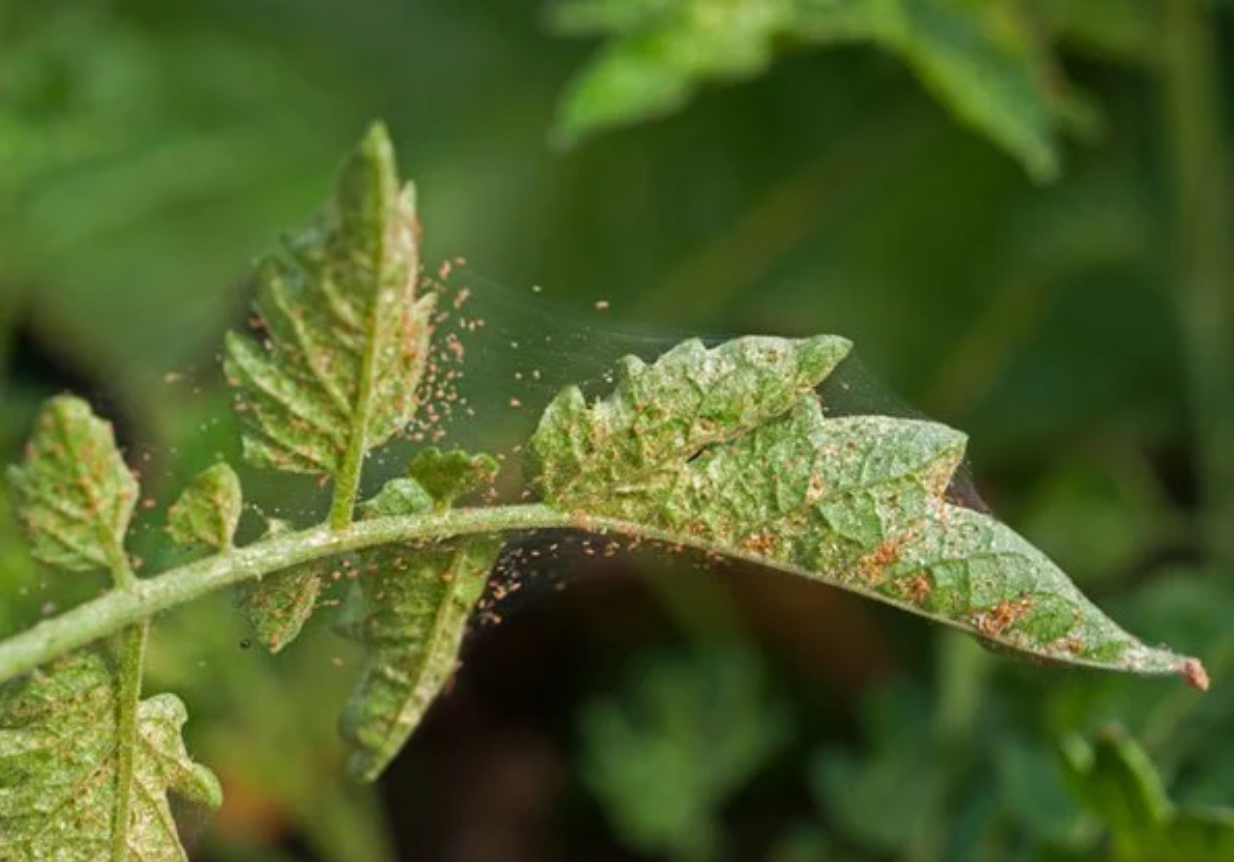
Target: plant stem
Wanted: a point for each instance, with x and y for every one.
(142, 599)
(1204, 254)
(128, 699)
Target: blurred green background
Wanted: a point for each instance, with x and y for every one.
(1019, 211)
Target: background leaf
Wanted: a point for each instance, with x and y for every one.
(984, 61)
(1118, 782)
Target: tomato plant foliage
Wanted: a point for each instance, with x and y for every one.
(726, 449)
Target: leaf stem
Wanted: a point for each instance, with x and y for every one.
(147, 597)
(119, 608)
(132, 650)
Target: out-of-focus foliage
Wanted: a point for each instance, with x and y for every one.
(989, 62)
(149, 149)
(683, 734)
(1119, 784)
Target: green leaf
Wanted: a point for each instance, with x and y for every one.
(346, 343)
(278, 605)
(449, 475)
(73, 494)
(660, 53)
(409, 608)
(1117, 781)
(410, 612)
(208, 510)
(398, 497)
(985, 61)
(346, 337)
(60, 755)
(729, 450)
(892, 796)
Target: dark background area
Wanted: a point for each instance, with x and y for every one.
(641, 708)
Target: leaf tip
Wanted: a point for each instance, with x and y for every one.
(376, 142)
(1193, 672)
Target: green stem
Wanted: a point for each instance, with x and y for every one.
(132, 663)
(144, 598)
(1204, 250)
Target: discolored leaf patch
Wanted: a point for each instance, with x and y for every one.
(60, 762)
(208, 510)
(730, 450)
(409, 608)
(74, 495)
(345, 335)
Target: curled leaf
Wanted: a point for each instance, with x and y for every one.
(208, 510)
(60, 760)
(729, 450)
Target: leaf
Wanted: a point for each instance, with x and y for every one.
(665, 414)
(60, 751)
(409, 608)
(984, 61)
(278, 605)
(410, 611)
(398, 497)
(449, 475)
(729, 450)
(74, 495)
(208, 510)
(347, 341)
(661, 51)
(893, 795)
(346, 337)
(1117, 781)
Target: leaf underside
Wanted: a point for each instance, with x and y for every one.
(729, 450)
(278, 605)
(59, 766)
(74, 494)
(986, 62)
(409, 608)
(346, 340)
(345, 336)
(208, 510)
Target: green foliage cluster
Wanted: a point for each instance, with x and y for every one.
(723, 449)
(144, 155)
